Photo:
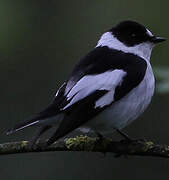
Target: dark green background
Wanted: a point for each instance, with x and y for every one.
(40, 41)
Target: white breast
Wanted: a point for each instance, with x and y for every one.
(127, 109)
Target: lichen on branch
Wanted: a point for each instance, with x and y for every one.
(91, 144)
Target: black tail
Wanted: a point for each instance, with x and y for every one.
(50, 111)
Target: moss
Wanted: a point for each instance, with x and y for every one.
(81, 143)
(148, 145)
(24, 144)
(85, 143)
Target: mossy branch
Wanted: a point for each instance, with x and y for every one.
(90, 144)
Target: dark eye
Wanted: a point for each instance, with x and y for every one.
(133, 35)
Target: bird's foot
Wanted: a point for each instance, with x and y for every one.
(127, 142)
(99, 141)
(100, 138)
(38, 145)
(125, 136)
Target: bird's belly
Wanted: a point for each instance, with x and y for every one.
(127, 109)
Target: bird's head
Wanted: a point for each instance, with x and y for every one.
(132, 33)
(130, 37)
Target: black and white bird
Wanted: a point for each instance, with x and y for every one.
(114, 81)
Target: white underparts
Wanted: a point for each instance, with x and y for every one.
(142, 50)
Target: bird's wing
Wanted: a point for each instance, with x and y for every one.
(96, 82)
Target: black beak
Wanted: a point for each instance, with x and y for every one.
(156, 39)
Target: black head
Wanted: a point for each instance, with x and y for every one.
(132, 33)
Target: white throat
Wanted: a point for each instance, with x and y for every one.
(142, 50)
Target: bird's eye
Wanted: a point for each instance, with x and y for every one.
(133, 35)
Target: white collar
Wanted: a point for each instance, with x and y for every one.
(142, 50)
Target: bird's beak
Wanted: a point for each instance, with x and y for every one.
(156, 39)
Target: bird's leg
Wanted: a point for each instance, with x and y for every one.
(126, 137)
(37, 135)
(99, 135)
(100, 141)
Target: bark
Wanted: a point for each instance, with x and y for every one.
(91, 144)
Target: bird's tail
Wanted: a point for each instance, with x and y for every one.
(31, 122)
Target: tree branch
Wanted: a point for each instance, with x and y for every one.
(89, 144)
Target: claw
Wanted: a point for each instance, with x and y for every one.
(128, 138)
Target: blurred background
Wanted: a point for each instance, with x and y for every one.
(40, 41)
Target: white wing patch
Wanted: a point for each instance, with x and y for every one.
(90, 83)
(116, 79)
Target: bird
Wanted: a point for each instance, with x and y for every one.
(107, 89)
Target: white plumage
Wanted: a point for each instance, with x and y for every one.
(105, 81)
(113, 80)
